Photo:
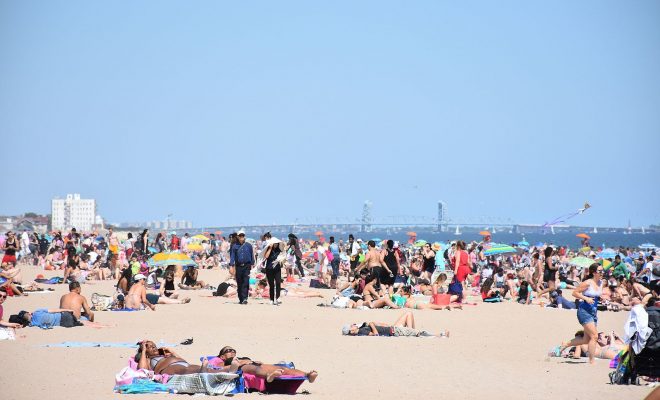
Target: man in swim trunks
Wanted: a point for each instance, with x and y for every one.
(75, 301)
(231, 363)
(403, 326)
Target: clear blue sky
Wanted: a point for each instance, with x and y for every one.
(268, 111)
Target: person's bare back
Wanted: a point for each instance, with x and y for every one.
(72, 301)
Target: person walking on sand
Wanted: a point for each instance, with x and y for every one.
(241, 257)
(588, 292)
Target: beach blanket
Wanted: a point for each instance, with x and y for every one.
(103, 344)
(51, 281)
(204, 383)
(141, 386)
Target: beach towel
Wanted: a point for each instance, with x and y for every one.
(51, 281)
(141, 386)
(7, 334)
(204, 383)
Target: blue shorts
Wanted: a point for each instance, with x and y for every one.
(585, 316)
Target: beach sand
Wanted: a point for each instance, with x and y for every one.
(496, 351)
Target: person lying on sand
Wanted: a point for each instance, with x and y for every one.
(226, 289)
(165, 361)
(403, 326)
(228, 362)
(50, 318)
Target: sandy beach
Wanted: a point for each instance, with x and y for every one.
(496, 351)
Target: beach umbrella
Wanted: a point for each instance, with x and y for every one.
(540, 244)
(583, 236)
(411, 233)
(499, 249)
(218, 232)
(484, 233)
(152, 249)
(581, 262)
(170, 258)
(420, 243)
(605, 263)
(607, 253)
(194, 247)
(199, 237)
(523, 243)
(318, 233)
(647, 246)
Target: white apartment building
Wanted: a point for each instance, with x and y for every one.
(73, 212)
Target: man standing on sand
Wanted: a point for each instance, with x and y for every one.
(75, 301)
(334, 249)
(241, 257)
(353, 251)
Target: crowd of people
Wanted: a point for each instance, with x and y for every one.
(374, 274)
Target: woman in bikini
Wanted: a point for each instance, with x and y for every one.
(165, 361)
(228, 362)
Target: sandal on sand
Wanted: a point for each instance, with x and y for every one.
(187, 342)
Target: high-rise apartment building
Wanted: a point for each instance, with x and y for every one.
(73, 212)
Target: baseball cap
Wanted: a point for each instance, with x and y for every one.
(240, 233)
(137, 277)
(346, 329)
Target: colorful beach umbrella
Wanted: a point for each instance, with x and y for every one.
(194, 247)
(607, 253)
(170, 258)
(523, 243)
(581, 262)
(484, 233)
(200, 237)
(500, 249)
(420, 243)
(583, 236)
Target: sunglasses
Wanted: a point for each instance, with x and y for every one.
(228, 351)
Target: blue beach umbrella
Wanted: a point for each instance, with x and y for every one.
(607, 253)
(499, 249)
(523, 243)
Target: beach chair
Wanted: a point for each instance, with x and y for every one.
(285, 384)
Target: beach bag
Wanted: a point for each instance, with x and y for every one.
(622, 375)
(101, 302)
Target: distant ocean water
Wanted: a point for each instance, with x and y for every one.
(606, 239)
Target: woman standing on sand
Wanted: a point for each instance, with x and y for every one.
(589, 293)
(462, 268)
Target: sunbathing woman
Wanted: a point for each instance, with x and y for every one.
(411, 303)
(165, 361)
(372, 298)
(228, 362)
(403, 326)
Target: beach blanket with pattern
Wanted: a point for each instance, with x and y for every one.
(204, 383)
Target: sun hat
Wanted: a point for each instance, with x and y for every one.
(241, 232)
(137, 277)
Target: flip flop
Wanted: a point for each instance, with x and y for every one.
(187, 342)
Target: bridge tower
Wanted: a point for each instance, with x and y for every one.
(366, 216)
(442, 216)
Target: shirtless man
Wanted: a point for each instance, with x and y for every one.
(75, 301)
(227, 361)
(374, 261)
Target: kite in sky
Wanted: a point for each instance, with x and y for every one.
(568, 216)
